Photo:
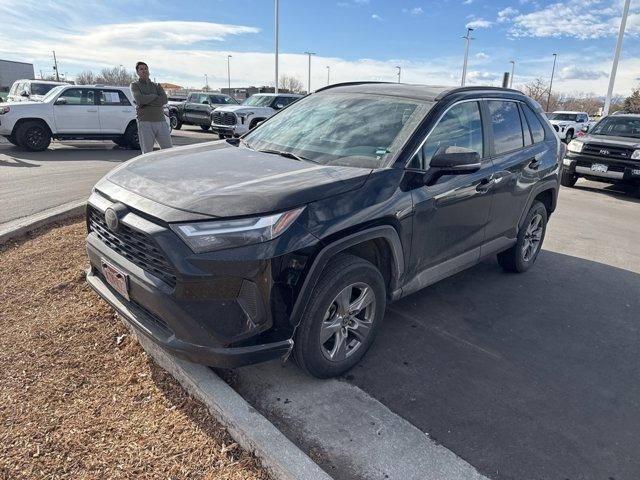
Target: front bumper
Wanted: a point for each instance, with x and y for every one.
(230, 130)
(6, 124)
(617, 170)
(213, 309)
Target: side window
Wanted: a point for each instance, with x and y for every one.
(507, 128)
(537, 130)
(461, 126)
(79, 96)
(113, 98)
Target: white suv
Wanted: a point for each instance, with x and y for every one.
(233, 120)
(72, 112)
(25, 90)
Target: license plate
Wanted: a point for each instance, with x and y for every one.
(599, 167)
(116, 278)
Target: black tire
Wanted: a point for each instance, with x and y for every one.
(12, 139)
(130, 136)
(33, 135)
(121, 142)
(516, 259)
(205, 127)
(568, 137)
(255, 122)
(568, 179)
(353, 276)
(175, 122)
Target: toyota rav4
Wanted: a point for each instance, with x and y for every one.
(293, 238)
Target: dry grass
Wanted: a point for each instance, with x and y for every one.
(78, 397)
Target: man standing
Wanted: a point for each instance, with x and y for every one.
(150, 101)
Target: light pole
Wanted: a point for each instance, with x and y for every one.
(399, 72)
(553, 70)
(513, 69)
(55, 65)
(616, 58)
(328, 74)
(468, 39)
(309, 82)
(206, 82)
(229, 72)
(277, 15)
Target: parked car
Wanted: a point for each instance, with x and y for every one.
(234, 120)
(568, 123)
(610, 153)
(72, 112)
(25, 90)
(293, 238)
(199, 106)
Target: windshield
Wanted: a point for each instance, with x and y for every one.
(567, 117)
(41, 88)
(341, 129)
(52, 93)
(618, 127)
(258, 100)
(223, 99)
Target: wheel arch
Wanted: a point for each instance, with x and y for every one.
(547, 193)
(32, 119)
(380, 243)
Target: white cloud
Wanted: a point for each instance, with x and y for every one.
(361, 2)
(375, 16)
(479, 23)
(481, 56)
(467, 2)
(415, 11)
(506, 14)
(574, 72)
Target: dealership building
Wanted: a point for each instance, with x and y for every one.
(11, 71)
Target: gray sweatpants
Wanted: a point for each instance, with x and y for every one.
(149, 132)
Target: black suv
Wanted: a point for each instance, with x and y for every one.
(292, 239)
(609, 153)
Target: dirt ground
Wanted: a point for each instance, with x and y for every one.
(79, 398)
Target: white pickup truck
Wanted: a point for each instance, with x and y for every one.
(569, 123)
(72, 112)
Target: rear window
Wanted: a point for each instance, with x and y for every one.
(41, 88)
(507, 129)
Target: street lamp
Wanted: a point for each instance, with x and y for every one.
(399, 72)
(328, 74)
(277, 15)
(229, 72)
(468, 39)
(616, 58)
(553, 70)
(309, 82)
(206, 82)
(513, 69)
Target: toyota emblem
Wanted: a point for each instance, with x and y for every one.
(604, 152)
(111, 219)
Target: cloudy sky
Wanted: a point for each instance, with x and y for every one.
(358, 39)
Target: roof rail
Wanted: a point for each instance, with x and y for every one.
(346, 84)
(474, 88)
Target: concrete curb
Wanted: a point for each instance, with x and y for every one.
(17, 228)
(245, 424)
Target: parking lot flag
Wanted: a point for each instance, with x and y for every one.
(468, 39)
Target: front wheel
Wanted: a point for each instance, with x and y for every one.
(33, 135)
(174, 121)
(569, 136)
(12, 139)
(523, 254)
(205, 127)
(568, 179)
(342, 317)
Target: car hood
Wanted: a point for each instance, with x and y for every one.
(625, 142)
(220, 180)
(561, 123)
(25, 103)
(238, 108)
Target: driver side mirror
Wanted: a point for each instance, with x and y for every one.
(24, 93)
(452, 160)
(205, 102)
(61, 101)
(278, 106)
(585, 129)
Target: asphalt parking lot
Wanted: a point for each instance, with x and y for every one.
(522, 376)
(32, 182)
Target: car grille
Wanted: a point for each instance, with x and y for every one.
(224, 118)
(612, 167)
(607, 151)
(135, 246)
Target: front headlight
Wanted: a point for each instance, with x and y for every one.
(635, 155)
(575, 146)
(220, 234)
(4, 110)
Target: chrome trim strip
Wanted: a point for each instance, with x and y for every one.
(588, 171)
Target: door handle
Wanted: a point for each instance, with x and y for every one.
(485, 185)
(534, 163)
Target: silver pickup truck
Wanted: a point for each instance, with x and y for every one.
(199, 106)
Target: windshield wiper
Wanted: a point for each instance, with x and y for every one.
(286, 155)
(237, 141)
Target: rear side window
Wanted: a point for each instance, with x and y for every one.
(537, 130)
(507, 128)
(113, 98)
(461, 126)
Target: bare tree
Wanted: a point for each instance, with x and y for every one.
(632, 102)
(86, 77)
(290, 83)
(115, 76)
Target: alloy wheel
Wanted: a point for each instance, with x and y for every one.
(532, 237)
(347, 322)
(35, 137)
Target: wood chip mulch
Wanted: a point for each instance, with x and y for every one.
(79, 398)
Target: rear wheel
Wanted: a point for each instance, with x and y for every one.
(568, 179)
(342, 317)
(130, 137)
(523, 254)
(33, 135)
(569, 136)
(175, 121)
(205, 127)
(254, 123)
